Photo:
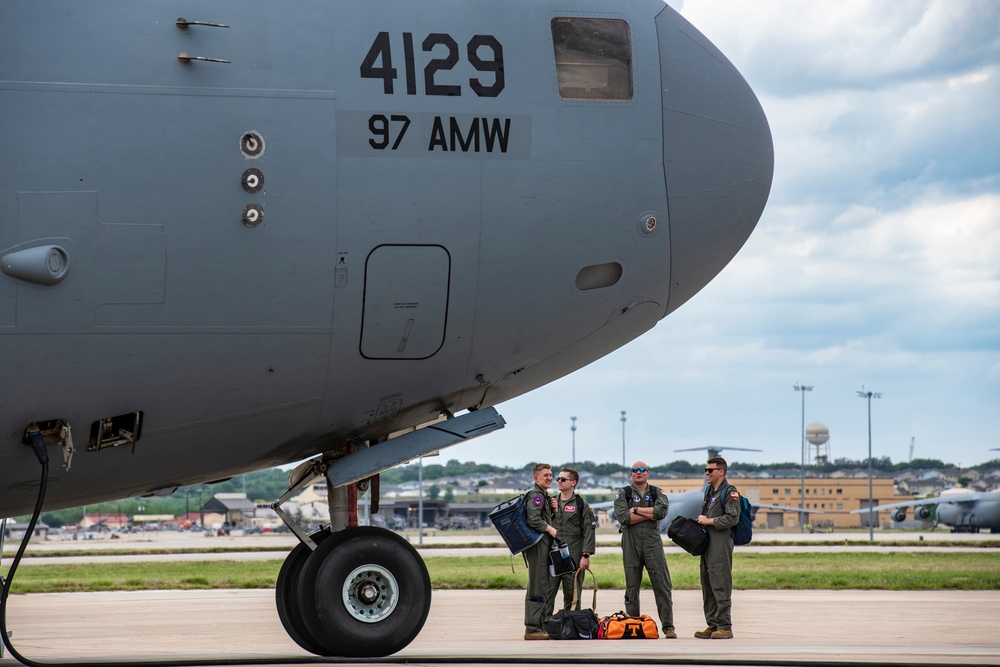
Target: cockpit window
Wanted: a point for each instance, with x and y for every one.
(593, 58)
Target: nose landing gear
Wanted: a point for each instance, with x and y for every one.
(361, 591)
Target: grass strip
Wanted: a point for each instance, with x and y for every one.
(281, 549)
(787, 571)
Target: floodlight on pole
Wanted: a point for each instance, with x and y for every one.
(869, 395)
(572, 429)
(802, 504)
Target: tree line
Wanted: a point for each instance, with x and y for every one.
(268, 485)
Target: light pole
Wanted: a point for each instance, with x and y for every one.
(802, 515)
(623, 438)
(572, 429)
(869, 395)
(420, 501)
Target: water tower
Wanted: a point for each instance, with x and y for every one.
(818, 436)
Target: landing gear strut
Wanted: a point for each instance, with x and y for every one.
(359, 591)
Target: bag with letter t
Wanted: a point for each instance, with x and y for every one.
(622, 626)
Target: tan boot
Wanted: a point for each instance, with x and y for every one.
(536, 635)
(704, 634)
(669, 634)
(722, 634)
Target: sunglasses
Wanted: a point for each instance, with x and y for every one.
(712, 469)
(640, 469)
(563, 479)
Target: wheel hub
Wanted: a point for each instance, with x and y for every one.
(370, 593)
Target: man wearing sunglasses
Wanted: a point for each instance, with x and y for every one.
(720, 512)
(639, 509)
(574, 521)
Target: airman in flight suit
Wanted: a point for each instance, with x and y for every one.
(575, 524)
(639, 509)
(720, 512)
(538, 515)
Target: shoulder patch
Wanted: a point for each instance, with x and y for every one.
(536, 500)
(734, 495)
(618, 495)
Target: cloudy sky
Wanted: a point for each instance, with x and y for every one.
(876, 263)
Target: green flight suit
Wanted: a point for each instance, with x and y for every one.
(575, 525)
(538, 515)
(717, 561)
(642, 546)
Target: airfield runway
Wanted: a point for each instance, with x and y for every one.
(241, 627)
(237, 627)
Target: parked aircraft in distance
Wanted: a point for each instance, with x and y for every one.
(276, 230)
(965, 511)
(689, 503)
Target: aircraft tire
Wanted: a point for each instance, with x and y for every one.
(285, 591)
(364, 594)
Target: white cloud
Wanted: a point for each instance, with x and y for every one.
(876, 261)
(790, 45)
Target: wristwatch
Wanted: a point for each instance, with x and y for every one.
(586, 555)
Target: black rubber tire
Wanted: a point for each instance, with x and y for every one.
(321, 586)
(286, 590)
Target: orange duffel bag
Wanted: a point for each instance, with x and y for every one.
(622, 626)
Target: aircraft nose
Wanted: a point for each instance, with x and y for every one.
(717, 153)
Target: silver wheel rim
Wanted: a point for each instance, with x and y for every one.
(370, 593)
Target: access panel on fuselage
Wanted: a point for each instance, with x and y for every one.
(406, 301)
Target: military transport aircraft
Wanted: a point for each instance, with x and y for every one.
(965, 511)
(268, 230)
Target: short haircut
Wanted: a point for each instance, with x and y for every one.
(573, 475)
(539, 467)
(719, 461)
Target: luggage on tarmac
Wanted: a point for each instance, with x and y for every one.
(575, 623)
(622, 626)
(689, 535)
(572, 624)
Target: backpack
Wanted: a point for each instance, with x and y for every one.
(509, 520)
(742, 532)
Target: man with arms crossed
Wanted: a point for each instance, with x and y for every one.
(639, 509)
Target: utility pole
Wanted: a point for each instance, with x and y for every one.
(572, 429)
(802, 515)
(623, 438)
(420, 501)
(869, 395)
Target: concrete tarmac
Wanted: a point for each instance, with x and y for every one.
(237, 627)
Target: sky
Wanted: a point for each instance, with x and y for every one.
(875, 265)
